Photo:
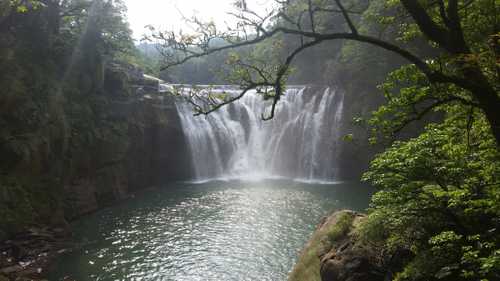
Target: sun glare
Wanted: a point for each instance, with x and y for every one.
(168, 14)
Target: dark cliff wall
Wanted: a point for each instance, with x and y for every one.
(147, 150)
(64, 155)
(358, 81)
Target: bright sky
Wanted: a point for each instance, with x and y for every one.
(167, 14)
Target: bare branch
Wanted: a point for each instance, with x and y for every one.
(433, 76)
(418, 115)
(216, 106)
(222, 48)
(346, 17)
(311, 15)
(328, 10)
(281, 73)
(253, 29)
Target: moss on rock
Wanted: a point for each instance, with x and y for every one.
(336, 253)
(331, 230)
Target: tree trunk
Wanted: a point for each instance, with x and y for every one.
(493, 115)
(490, 104)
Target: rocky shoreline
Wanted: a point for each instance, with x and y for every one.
(29, 255)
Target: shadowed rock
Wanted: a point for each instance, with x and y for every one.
(335, 253)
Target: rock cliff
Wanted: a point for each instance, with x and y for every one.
(78, 154)
(335, 253)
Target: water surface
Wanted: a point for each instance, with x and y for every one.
(212, 231)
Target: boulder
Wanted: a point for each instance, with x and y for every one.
(11, 269)
(335, 253)
(349, 266)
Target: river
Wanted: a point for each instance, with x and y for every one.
(217, 230)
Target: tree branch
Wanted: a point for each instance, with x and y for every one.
(425, 22)
(453, 41)
(311, 15)
(433, 76)
(442, 13)
(217, 106)
(346, 17)
(420, 114)
(282, 71)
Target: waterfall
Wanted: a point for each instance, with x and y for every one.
(234, 142)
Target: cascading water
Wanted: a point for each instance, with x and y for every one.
(234, 142)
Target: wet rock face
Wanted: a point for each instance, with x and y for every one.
(350, 259)
(349, 265)
(84, 152)
(335, 253)
(137, 142)
(158, 151)
(139, 145)
(148, 150)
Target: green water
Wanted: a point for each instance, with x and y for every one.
(211, 231)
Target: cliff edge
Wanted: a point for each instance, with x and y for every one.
(336, 252)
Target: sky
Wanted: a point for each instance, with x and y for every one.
(167, 14)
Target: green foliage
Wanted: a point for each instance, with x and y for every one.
(439, 192)
(440, 198)
(53, 105)
(25, 6)
(224, 67)
(341, 228)
(150, 63)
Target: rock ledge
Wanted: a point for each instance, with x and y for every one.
(336, 253)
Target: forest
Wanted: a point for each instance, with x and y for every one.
(82, 128)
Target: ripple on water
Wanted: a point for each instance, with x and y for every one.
(210, 231)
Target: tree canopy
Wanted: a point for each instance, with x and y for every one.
(53, 56)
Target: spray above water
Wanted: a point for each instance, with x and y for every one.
(235, 143)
